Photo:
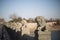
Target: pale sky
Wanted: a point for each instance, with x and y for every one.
(30, 8)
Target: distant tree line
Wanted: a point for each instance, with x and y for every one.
(31, 20)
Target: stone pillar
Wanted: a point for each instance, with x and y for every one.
(42, 27)
(46, 35)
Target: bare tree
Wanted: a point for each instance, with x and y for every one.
(13, 16)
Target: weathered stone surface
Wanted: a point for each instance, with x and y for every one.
(44, 35)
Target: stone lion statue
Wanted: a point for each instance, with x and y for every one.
(40, 22)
